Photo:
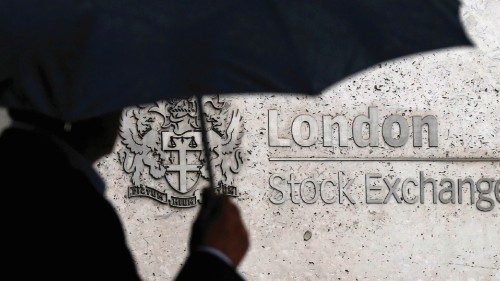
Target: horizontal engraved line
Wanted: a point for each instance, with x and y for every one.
(384, 159)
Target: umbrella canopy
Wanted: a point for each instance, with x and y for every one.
(73, 59)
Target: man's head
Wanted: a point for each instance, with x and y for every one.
(93, 137)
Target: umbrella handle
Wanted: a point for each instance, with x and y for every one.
(205, 140)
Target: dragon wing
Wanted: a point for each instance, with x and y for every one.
(128, 133)
(162, 108)
(233, 133)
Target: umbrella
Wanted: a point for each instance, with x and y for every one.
(78, 59)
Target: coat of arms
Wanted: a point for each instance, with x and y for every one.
(163, 149)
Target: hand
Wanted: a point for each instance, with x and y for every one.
(219, 225)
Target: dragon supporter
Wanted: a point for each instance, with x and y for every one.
(77, 231)
(149, 134)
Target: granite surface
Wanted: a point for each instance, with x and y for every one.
(354, 241)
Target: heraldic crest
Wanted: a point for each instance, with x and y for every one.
(163, 149)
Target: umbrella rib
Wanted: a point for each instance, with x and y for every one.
(205, 140)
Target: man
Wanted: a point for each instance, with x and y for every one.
(67, 68)
(60, 226)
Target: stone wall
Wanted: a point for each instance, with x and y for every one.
(318, 238)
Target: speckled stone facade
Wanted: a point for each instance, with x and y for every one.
(360, 241)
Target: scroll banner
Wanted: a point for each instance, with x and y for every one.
(149, 192)
(229, 190)
(179, 202)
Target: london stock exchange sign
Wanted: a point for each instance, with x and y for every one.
(163, 150)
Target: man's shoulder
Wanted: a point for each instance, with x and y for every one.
(15, 142)
(28, 155)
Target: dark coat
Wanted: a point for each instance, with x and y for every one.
(59, 226)
(204, 266)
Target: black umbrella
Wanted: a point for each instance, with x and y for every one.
(77, 59)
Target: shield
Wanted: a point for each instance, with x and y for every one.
(185, 150)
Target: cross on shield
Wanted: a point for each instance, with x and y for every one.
(185, 151)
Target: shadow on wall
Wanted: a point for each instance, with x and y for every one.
(4, 119)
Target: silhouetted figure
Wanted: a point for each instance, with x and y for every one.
(75, 60)
(60, 225)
